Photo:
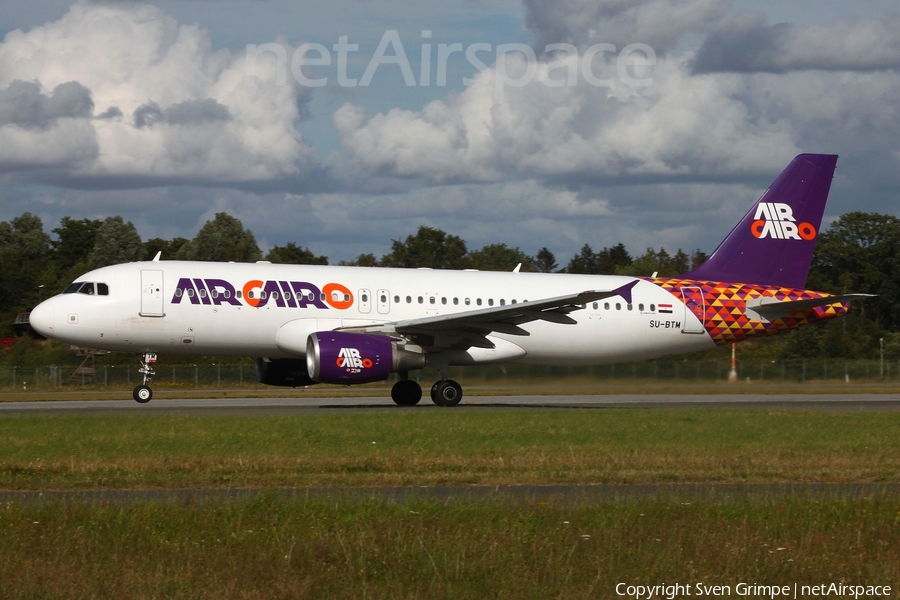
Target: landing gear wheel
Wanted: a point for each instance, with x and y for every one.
(143, 394)
(446, 393)
(406, 392)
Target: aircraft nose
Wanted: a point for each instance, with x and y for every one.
(42, 318)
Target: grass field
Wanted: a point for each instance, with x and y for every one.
(491, 446)
(362, 546)
(269, 548)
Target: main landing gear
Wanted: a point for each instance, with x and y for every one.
(445, 392)
(143, 393)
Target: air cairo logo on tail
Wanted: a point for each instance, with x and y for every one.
(776, 220)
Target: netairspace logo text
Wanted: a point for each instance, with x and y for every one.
(514, 65)
(700, 589)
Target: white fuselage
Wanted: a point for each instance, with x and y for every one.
(205, 308)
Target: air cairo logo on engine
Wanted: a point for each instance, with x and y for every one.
(776, 220)
(349, 358)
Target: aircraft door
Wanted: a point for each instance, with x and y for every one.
(365, 301)
(151, 293)
(694, 306)
(384, 302)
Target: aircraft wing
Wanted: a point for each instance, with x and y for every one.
(467, 329)
(771, 309)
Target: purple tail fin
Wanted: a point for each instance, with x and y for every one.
(774, 242)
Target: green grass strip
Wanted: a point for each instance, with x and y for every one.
(274, 548)
(487, 447)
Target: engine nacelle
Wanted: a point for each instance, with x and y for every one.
(350, 358)
(287, 372)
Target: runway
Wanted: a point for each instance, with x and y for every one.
(314, 405)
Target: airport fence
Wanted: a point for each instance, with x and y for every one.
(44, 377)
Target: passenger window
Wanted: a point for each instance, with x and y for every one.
(490, 301)
(190, 293)
(396, 299)
(618, 306)
(630, 306)
(431, 300)
(213, 293)
(641, 307)
(652, 308)
(478, 301)
(239, 293)
(595, 306)
(468, 302)
(455, 301)
(421, 300)
(606, 306)
(443, 301)
(514, 301)
(178, 292)
(274, 295)
(409, 299)
(365, 297)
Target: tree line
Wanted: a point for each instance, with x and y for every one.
(860, 252)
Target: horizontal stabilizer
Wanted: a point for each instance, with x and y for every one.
(771, 309)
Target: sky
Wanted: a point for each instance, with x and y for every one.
(341, 125)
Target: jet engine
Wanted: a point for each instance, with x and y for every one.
(351, 358)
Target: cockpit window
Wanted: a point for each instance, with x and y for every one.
(87, 287)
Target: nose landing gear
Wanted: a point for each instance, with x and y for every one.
(143, 393)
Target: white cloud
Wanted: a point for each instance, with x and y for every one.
(132, 58)
(745, 43)
(659, 23)
(681, 125)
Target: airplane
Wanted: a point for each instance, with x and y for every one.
(308, 324)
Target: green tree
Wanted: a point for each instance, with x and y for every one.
(25, 272)
(429, 247)
(168, 248)
(657, 261)
(860, 253)
(75, 239)
(499, 257)
(610, 260)
(363, 260)
(117, 242)
(585, 262)
(222, 239)
(545, 261)
(292, 254)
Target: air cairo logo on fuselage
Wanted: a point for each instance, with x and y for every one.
(257, 293)
(776, 220)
